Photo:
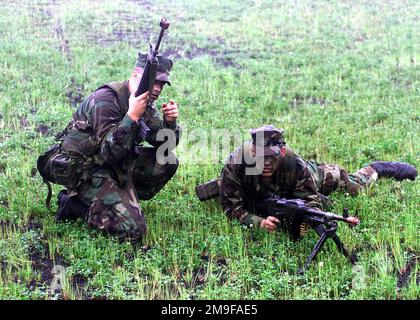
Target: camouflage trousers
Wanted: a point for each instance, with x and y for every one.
(115, 209)
(330, 177)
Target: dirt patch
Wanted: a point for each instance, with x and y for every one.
(42, 263)
(33, 225)
(147, 5)
(123, 30)
(126, 16)
(319, 101)
(42, 19)
(42, 129)
(299, 100)
(199, 276)
(146, 248)
(215, 49)
(6, 225)
(38, 253)
(30, 225)
(120, 34)
(227, 62)
(404, 274)
(41, 16)
(364, 247)
(221, 264)
(78, 284)
(4, 203)
(196, 51)
(75, 92)
(50, 269)
(63, 46)
(24, 123)
(3, 266)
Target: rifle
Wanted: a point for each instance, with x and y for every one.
(149, 74)
(292, 213)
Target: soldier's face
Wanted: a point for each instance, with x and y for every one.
(157, 89)
(271, 163)
(135, 81)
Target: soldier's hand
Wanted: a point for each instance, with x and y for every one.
(170, 111)
(137, 105)
(270, 223)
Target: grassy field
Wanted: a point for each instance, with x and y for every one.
(341, 77)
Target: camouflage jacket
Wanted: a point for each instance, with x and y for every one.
(238, 192)
(102, 129)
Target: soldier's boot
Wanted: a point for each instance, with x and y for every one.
(397, 170)
(69, 208)
(208, 190)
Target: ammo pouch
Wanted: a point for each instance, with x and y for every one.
(67, 163)
(60, 168)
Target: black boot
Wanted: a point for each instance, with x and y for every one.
(397, 170)
(69, 208)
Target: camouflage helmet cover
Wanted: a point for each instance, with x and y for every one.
(268, 137)
(164, 66)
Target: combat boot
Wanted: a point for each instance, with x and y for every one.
(397, 170)
(69, 208)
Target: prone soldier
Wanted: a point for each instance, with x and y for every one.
(286, 174)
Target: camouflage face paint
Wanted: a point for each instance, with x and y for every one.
(271, 164)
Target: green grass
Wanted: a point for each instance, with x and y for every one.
(342, 78)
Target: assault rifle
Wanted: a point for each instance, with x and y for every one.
(294, 213)
(149, 74)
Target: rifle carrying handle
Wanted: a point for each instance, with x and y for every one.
(146, 83)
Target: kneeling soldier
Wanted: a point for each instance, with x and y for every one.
(101, 160)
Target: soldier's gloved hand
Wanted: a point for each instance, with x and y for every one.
(170, 111)
(270, 223)
(137, 105)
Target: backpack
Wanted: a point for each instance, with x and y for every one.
(57, 167)
(69, 162)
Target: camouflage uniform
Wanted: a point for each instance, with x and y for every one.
(240, 194)
(108, 139)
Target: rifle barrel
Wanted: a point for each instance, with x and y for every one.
(333, 216)
(155, 51)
